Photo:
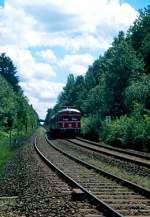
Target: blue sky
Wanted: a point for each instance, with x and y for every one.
(138, 4)
(49, 39)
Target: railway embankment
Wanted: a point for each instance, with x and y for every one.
(119, 167)
(28, 188)
(103, 187)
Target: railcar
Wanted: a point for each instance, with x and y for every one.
(66, 121)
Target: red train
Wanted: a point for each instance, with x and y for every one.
(66, 121)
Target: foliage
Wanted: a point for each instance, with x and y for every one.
(5, 151)
(67, 96)
(13, 105)
(132, 131)
(122, 64)
(90, 127)
(24, 116)
(94, 102)
(113, 86)
(13, 102)
(138, 91)
(139, 34)
(8, 71)
(72, 93)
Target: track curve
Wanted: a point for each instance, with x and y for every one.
(113, 194)
(115, 152)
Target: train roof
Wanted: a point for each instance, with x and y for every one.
(65, 110)
(69, 110)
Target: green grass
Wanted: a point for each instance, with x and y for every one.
(5, 151)
(122, 173)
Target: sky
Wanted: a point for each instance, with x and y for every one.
(47, 40)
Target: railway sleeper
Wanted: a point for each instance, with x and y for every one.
(123, 201)
(113, 193)
(133, 212)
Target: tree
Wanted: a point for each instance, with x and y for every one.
(94, 103)
(67, 97)
(122, 64)
(138, 92)
(48, 115)
(94, 73)
(9, 71)
(14, 105)
(139, 34)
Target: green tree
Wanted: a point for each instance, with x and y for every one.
(94, 73)
(9, 71)
(138, 92)
(48, 116)
(115, 84)
(66, 98)
(94, 103)
(122, 64)
(139, 34)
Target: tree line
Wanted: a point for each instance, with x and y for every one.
(15, 111)
(114, 94)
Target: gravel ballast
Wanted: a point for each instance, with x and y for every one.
(37, 190)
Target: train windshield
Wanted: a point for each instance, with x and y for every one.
(75, 118)
(69, 118)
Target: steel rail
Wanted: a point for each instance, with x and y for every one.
(140, 163)
(145, 192)
(132, 152)
(101, 205)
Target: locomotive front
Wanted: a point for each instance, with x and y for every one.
(68, 120)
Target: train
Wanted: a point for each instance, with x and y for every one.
(65, 122)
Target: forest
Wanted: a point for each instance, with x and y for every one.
(18, 119)
(114, 94)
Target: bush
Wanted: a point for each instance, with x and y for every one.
(113, 133)
(90, 127)
(5, 151)
(131, 132)
(138, 91)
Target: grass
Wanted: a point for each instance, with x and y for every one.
(118, 170)
(5, 151)
(135, 178)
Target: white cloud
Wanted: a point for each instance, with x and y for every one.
(44, 89)
(85, 14)
(31, 32)
(68, 24)
(28, 67)
(80, 58)
(17, 28)
(77, 64)
(48, 55)
(42, 95)
(78, 69)
(41, 107)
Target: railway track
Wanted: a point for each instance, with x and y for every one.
(115, 196)
(130, 156)
(127, 151)
(124, 169)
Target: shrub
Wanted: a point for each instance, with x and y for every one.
(90, 127)
(132, 132)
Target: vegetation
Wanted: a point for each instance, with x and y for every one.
(5, 151)
(16, 115)
(114, 94)
(130, 131)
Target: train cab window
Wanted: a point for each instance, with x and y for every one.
(75, 118)
(65, 118)
(69, 118)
